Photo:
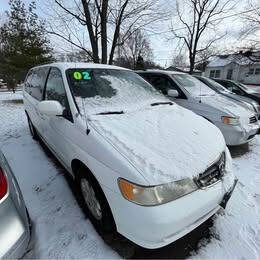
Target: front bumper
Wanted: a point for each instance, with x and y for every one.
(237, 135)
(158, 226)
(228, 195)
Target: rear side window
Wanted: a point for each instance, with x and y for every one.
(35, 82)
(27, 84)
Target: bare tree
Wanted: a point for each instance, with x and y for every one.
(251, 31)
(137, 45)
(198, 18)
(73, 56)
(179, 60)
(109, 23)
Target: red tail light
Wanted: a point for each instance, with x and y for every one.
(3, 184)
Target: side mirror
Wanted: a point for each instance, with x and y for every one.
(50, 108)
(173, 93)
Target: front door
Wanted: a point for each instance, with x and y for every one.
(58, 130)
(229, 74)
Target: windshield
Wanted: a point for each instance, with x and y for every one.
(194, 86)
(217, 86)
(110, 90)
(245, 88)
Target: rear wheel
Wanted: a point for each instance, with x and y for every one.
(93, 202)
(32, 129)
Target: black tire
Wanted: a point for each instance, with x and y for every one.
(32, 129)
(105, 224)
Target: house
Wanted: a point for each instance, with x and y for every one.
(185, 70)
(234, 66)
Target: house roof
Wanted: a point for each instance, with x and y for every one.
(224, 60)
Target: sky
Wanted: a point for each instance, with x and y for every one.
(163, 49)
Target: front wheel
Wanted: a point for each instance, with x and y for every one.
(94, 203)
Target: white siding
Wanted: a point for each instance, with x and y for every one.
(240, 73)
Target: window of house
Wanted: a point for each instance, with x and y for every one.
(215, 74)
(251, 71)
(257, 71)
(212, 74)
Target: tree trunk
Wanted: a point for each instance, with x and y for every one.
(104, 31)
(192, 61)
(117, 33)
(113, 47)
(191, 66)
(94, 43)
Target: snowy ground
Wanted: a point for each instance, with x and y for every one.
(62, 231)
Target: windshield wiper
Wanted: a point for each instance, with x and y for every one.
(111, 113)
(161, 103)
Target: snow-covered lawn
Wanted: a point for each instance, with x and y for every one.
(62, 231)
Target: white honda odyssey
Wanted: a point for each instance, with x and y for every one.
(145, 167)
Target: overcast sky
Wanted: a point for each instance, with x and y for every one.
(163, 49)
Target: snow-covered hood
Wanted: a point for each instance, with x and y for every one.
(164, 143)
(230, 107)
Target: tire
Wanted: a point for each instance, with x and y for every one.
(32, 129)
(99, 212)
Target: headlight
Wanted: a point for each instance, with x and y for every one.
(156, 195)
(230, 120)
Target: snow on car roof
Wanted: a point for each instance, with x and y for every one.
(167, 72)
(71, 65)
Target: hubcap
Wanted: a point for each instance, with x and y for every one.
(90, 199)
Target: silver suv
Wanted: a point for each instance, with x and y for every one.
(237, 123)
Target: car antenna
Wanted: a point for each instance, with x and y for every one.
(85, 116)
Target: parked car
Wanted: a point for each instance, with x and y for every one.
(239, 89)
(250, 103)
(15, 224)
(127, 148)
(238, 124)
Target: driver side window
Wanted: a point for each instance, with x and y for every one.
(234, 88)
(161, 83)
(55, 89)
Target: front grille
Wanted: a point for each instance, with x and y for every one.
(211, 175)
(252, 119)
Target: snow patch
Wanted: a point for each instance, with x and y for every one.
(166, 143)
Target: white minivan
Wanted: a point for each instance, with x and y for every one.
(145, 167)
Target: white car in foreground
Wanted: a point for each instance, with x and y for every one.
(144, 166)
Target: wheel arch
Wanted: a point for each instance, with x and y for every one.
(76, 164)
